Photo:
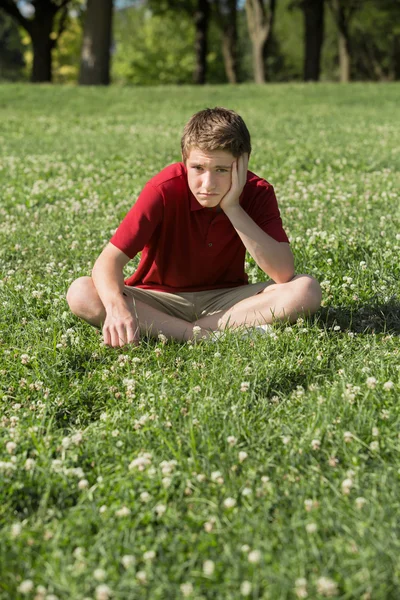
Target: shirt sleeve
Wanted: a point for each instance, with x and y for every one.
(265, 212)
(141, 222)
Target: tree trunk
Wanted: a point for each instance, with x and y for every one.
(342, 22)
(258, 61)
(227, 22)
(260, 27)
(314, 37)
(42, 45)
(396, 58)
(201, 21)
(344, 59)
(95, 56)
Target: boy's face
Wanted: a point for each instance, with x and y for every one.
(209, 175)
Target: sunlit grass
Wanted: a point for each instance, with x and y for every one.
(265, 467)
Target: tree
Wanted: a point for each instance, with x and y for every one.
(11, 49)
(200, 11)
(226, 14)
(343, 11)
(313, 38)
(201, 22)
(96, 46)
(260, 23)
(45, 25)
(152, 49)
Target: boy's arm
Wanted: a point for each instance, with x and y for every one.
(120, 325)
(274, 258)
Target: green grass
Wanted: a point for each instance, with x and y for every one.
(72, 162)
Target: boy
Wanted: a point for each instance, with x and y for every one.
(194, 221)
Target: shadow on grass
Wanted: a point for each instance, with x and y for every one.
(378, 318)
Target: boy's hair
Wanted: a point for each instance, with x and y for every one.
(216, 129)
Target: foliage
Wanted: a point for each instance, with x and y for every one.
(11, 49)
(273, 460)
(159, 48)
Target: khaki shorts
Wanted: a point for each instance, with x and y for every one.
(191, 306)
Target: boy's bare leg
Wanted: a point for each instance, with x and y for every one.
(277, 302)
(85, 303)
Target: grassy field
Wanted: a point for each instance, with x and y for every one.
(264, 468)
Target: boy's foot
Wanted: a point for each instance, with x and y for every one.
(261, 329)
(247, 332)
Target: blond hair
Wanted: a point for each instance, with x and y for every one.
(216, 129)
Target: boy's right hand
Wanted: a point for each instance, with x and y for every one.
(120, 326)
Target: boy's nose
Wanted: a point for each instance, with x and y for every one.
(208, 182)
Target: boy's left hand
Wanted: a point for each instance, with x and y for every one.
(239, 178)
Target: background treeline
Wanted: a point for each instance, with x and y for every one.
(143, 42)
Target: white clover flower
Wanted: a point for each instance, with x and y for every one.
(300, 587)
(25, 587)
(103, 509)
(347, 436)
(99, 574)
(285, 439)
(25, 359)
(102, 592)
(141, 462)
(168, 466)
(245, 588)
(308, 504)
(347, 484)
(141, 576)
(145, 496)
(11, 447)
(76, 438)
(123, 512)
(371, 383)
(163, 338)
(128, 560)
(311, 527)
(217, 477)
(208, 568)
(244, 386)
(245, 548)
(186, 589)
(246, 491)
(196, 330)
(231, 440)
(388, 385)
(149, 555)
(83, 484)
(78, 553)
(359, 502)
(229, 502)
(375, 432)
(160, 509)
(254, 556)
(66, 442)
(327, 587)
(315, 444)
(166, 481)
(242, 456)
(16, 529)
(374, 446)
(29, 464)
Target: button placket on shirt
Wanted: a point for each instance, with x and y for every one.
(210, 239)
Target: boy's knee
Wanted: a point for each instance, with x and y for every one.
(78, 293)
(312, 292)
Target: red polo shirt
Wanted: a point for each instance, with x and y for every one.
(186, 247)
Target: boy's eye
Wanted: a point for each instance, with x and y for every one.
(198, 168)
